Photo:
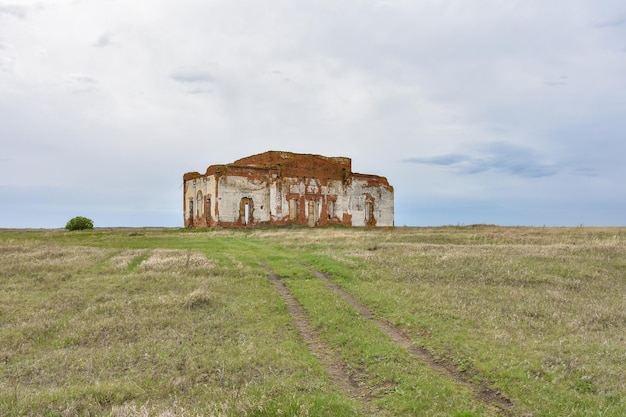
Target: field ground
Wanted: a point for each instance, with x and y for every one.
(451, 321)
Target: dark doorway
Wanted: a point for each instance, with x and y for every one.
(207, 211)
(245, 211)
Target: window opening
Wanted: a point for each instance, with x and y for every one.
(199, 205)
(369, 212)
(245, 211)
(312, 213)
(208, 211)
(191, 212)
(293, 209)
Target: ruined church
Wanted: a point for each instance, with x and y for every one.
(281, 188)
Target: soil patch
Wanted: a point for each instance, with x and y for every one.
(481, 391)
(346, 380)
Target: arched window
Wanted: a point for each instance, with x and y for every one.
(293, 209)
(246, 209)
(199, 204)
(331, 209)
(207, 211)
(370, 220)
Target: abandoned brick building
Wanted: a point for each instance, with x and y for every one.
(279, 188)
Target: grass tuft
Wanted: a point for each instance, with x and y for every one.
(199, 299)
(176, 322)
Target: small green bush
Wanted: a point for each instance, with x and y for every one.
(79, 223)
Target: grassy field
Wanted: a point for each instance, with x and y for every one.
(451, 321)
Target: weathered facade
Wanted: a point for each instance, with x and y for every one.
(279, 188)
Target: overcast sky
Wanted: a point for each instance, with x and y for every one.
(509, 112)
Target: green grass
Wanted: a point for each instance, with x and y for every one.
(397, 382)
(90, 330)
(179, 322)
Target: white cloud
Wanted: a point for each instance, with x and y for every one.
(526, 96)
(192, 76)
(498, 157)
(104, 40)
(13, 10)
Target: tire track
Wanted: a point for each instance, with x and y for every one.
(335, 368)
(481, 391)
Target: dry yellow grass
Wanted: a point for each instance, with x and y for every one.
(177, 323)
